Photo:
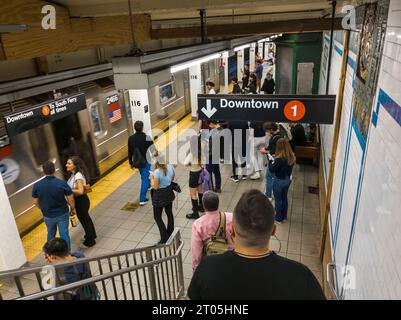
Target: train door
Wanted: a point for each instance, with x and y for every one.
(187, 92)
(70, 142)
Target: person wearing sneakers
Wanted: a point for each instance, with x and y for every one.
(213, 153)
(205, 227)
(239, 148)
(274, 131)
(139, 145)
(258, 137)
(194, 161)
(281, 167)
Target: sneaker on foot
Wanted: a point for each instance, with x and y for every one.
(278, 222)
(234, 178)
(142, 203)
(245, 177)
(255, 176)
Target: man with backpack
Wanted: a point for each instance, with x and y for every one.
(56, 251)
(138, 158)
(252, 270)
(211, 233)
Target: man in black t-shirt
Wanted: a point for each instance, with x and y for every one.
(139, 141)
(252, 270)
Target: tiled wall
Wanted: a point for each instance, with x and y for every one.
(376, 244)
(365, 217)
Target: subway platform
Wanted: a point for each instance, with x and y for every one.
(121, 226)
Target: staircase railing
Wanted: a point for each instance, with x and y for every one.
(149, 273)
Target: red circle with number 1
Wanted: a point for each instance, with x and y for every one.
(294, 110)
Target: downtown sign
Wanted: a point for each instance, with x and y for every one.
(261, 107)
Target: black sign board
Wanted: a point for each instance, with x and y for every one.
(22, 120)
(261, 107)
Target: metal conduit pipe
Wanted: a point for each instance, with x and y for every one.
(333, 16)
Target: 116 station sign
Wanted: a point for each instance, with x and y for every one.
(277, 108)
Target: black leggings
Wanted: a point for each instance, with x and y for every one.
(82, 205)
(157, 214)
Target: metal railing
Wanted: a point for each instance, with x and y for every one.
(149, 273)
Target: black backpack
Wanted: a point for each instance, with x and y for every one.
(87, 292)
(138, 161)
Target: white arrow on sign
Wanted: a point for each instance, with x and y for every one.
(209, 111)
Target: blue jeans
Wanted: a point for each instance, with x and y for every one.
(145, 182)
(280, 190)
(214, 169)
(269, 179)
(60, 222)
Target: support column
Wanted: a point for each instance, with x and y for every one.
(266, 52)
(140, 110)
(12, 254)
(240, 63)
(260, 49)
(225, 66)
(195, 88)
(252, 56)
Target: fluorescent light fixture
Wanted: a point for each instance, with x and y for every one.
(183, 66)
(242, 47)
(264, 40)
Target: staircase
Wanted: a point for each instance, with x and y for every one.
(149, 273)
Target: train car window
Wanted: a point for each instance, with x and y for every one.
(95, 113)
(167, 92)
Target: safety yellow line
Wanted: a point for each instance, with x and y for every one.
(35, 239)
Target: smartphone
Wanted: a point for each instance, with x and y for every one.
(270, 156)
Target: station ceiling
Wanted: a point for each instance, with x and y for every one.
(160, 10)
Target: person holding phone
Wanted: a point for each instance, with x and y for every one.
(77, 182)
(281, 166)
(274, 131)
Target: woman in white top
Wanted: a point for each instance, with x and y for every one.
(77, 182)
(194, 161)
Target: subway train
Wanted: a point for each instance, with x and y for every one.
(97, 134)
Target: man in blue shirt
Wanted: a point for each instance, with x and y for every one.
(52, 196)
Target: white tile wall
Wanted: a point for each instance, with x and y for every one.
(376, 240)
(327, 131)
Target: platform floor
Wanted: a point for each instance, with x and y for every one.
(117, 229)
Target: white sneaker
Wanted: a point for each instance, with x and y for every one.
(143, 203)
(255, 176)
